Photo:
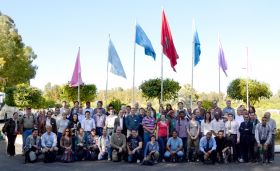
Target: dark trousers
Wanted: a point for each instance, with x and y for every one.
(99, 131)
(11, 144)
(233, 141)
(185, 145)
(138, 155)
(271, 147)
(213, 156)
(253, 148)
(245, 145)
(162, 146)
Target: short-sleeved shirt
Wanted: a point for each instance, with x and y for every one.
(174, 143)
(162, 129)
(133, 142)
(193, 128)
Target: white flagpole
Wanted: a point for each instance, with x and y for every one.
(192, 64)
(219, 65)
(134, 54)
(247, 80)
(161, 87)
(79, 75)
(106, 92)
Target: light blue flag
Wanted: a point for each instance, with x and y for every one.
(196, 50)
(143, 40)
(114, 59)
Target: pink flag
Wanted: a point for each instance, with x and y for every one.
(76, 77)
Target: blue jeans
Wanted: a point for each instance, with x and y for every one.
(25, 134)
(179, 154)
(147, 138)
(162, 146)
(107, 154)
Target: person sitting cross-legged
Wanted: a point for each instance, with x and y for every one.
(207, 147)
(151, 152)
(174, 148)
(49, 145)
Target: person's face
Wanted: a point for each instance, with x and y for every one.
(81, 131)
(246, 118)
(15, 116)
(99, 105)
(182, 115)
(174, 134)
(189, 110)
(87, 115)
(197, 112)
(49, 129)
(75, 117)
(168, 107)
(104, 132)
(134, 133)
(199, 104)
(230, 117)
(57, 110)
(214, 104)
(180, 105)
(252, 116)
(193, 116)
(142, 111)
(28, 111)
(239, 111)
(98, 110)
(64, 116)
(35, 133)
(128, 109)
(208, 115)
(133, 111)
(80, 110)
(49, 115)
(208, 135)
(217, 116)
(220, 135)
(162, 117)
(267, 115)
(93, 133)
(153, 139)
(88, 105)
(118, 131)
(136, 105)
(148, 113)
(149, 105)
(111, 111)
(67, 132)
(64, 104)
(228, 103)
(264, 121)
(76, 104)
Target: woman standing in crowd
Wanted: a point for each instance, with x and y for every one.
(75, 125)
(66, 145)
(162, 134)
(11, 129)
(62, 124)
(193, 138)
(206, 124)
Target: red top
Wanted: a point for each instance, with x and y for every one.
(162, 129)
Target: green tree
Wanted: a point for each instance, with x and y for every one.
(27, 96)
(9, 96)
(257, 90)
(87, 93)
(16, 57)
(52, 92)
(152, 89)
(117, 104)
(185, 94)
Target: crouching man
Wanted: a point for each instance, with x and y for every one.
(118, 144)
(207, 147)
(49, 145)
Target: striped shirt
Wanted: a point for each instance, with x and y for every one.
(148, 122)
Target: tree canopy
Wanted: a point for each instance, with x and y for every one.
(257, 90)
(15, 57)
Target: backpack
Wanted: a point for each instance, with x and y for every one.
(148, 163)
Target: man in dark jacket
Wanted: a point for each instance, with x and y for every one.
(120, 122)
(11, 129)
(245, 130)
(51, 122)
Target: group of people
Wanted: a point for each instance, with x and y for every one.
(138, 134)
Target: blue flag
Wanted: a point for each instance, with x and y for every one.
(143, 40)
(114, 59)
(196, 50)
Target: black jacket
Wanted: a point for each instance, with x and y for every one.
(10, 127)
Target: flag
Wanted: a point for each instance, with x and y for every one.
(77, 77)
(167, 42)
(114, 60)
(196, 48)
(143, 40)
(222, 59)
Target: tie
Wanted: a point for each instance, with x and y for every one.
(207, 145)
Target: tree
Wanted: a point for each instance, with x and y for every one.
(152, 89)
(257, 90)
(87, 93)
(185, 94)
(9, 96)
(27, 96)
(52, 92)
(16, 57)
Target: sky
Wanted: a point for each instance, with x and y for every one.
(55, 30)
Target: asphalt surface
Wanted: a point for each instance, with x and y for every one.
(16, 163)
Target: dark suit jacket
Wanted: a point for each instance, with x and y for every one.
(117, 123)
(245, 131)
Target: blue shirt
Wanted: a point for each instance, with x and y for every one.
(151, 147)
(174, 143)
(132, 122)
(229, 110)
(203, 144)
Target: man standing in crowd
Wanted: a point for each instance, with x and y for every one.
(27, 123)
(201, 110)
(88, 124)
(100, 119)
(64, 107)
(174, 148)
(217, 124)
(271, 122)
(148, 124)
(51, 122)
(253, 142)
(229, 109)
(49, 142)
(118, 144)
(99, 106)
(88, 108)
(181, 108)
(134, 147)
(263, 135)
(216, 109)
(182, 128)
(207, 147)
(132, 122)
(151, 109)
(245, 130)
(110, 121)
(120, 122)
(239, 116)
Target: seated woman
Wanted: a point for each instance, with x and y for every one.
(32, 148)
(104, 146)
(92, 146)
(151, 152)
(80, 148)
(66, 145)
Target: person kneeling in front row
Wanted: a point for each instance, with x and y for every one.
(118, 144)
(32, 148)
(207, 147)
(174, 148)
(49, 145)
(151, 152)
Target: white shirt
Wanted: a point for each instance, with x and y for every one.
(88, 124)
(232, 127)
(239, 119)
(217, 125)
(62, 125)
(121, 122)
(110, 121)
(81, 118)
(205, 127)
(48, 122)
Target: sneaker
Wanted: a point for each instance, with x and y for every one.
(155, 162)
(241, 160)
(269, 161)
(109, 159)
(138, 161)
(163, 161)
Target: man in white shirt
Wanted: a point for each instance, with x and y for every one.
(88, 124)
(64, 107)
(232, 134)
(110, 121)
(271, 122)
(239, 115)
(217, 124)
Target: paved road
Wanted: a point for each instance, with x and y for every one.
(16, 164)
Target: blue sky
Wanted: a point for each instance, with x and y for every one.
(55, 30)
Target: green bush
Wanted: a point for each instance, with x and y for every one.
(117, 104)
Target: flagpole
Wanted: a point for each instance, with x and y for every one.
(134, 54)
(106, 92)
(161, 86)
(79, 75)
(219, 67)
(247, 80)
(192, 66)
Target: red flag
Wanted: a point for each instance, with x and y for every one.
(167, 42)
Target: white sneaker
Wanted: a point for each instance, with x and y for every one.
(241, 160)
(109, 159)
(138, 161)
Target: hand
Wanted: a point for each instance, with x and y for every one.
(120, 150)
(51, 149)
(259, 145)
(133, 151)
